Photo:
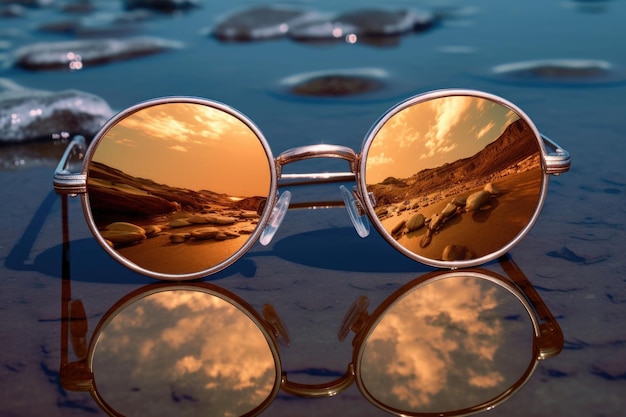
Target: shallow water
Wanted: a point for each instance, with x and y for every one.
(317, 265)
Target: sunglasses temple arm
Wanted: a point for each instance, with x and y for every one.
(551, 339)
(64, 181)
(557, 159)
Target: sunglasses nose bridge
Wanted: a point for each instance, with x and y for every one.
(316, 151)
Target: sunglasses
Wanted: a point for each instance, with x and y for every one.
(198, 349)
(179, 188)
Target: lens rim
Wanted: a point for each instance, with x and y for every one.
(252, 238)
(378, 314)
(203, 287)
(425, 97)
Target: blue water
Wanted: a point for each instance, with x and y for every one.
(573, 256)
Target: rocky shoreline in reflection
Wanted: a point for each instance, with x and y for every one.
(515, 151)
(127, 210)
(423, 204)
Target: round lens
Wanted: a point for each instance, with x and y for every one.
(455, 178)
(449, 346)
(183, 353)
(175, 188)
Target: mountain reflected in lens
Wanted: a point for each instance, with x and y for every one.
(181, 352)
(450, 345)
(176, 187)
(456, 177)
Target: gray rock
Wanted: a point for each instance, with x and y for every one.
(27, 114)
(263, 22)
(74, 55)
(167, 6)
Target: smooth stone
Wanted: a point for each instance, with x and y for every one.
(179, 237)
(449, 210)
(374, 22)
(221, 220)
(249, 215)
(122, 236)
(126, 227)
(560, 72)
(491, 188)
(366, 23)
(179, 223)
(457, 253)
(398, 227)
(476, 200)
(166, 6)
(416, 222)
(198, 219)
(459, 201)
(205, 233)
(74, 55)
(28, 114)
(554, 68)
(152, 230)
(435, 221)
(226, 234)
(262, 22)
(336, 83)
(101, 24)
(182, 214)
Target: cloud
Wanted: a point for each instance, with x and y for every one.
(485, 129)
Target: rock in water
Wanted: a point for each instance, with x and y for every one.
(27, 114)
(261, 22)
(75, 55)
(166, 6)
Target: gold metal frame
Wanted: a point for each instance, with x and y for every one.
(554, 160)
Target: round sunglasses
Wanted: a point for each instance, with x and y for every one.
(179, 188)
(195, 348)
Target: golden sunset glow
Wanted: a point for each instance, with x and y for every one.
(188, 145)
(435, 132)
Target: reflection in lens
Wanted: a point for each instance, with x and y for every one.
(455, 178)
(449, 345)
(182, 353)
(175, 187)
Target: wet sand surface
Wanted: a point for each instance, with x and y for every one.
(317, 266)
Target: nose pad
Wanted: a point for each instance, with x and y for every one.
(361, 225)
(354, 318)
(276, 218)
(276, 324)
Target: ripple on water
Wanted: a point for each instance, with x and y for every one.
(559, 72)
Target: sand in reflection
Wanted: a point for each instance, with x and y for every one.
(166, 354)
(446, 346)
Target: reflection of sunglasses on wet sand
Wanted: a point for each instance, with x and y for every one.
(180, 188)
(449, 343)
